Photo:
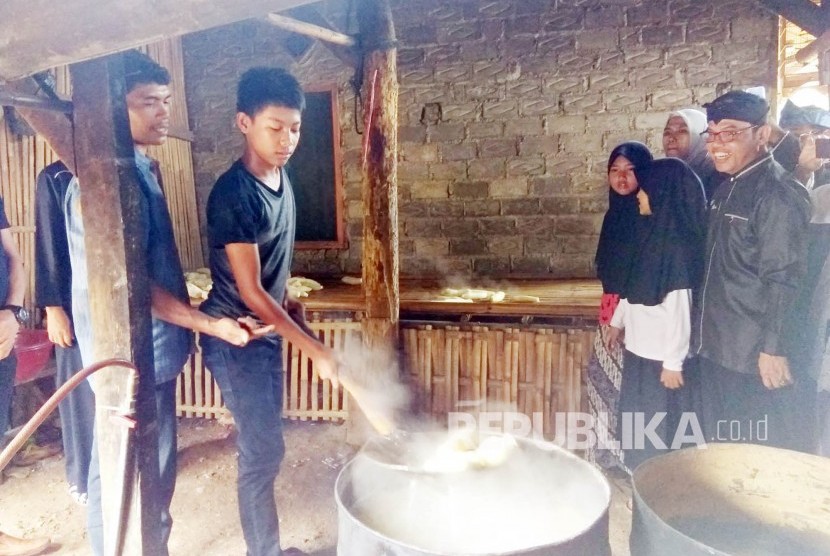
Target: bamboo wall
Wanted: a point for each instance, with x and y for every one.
(534, 371)
(23, 157)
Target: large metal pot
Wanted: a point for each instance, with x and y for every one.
(732, 499)
(364, 482)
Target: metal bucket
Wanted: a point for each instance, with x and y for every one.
(732, 499)
(363, 482)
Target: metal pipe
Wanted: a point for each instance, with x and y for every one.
(20, 100)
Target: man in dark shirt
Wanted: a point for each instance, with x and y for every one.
(756, 257)
(53, 292)
(12, 289)
(251, 224)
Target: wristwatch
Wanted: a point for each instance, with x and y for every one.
(20, 313)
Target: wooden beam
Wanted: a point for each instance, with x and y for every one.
(48, 34)
(310, 30)
(55, 127)
(380, 182)
(803, 13)
(119, 300)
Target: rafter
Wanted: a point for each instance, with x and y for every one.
(803, 13)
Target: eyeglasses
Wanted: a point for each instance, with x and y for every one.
(724, 136)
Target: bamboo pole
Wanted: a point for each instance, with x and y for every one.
(310, 30)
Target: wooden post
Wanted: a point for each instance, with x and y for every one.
(119, 303)
(380, 166)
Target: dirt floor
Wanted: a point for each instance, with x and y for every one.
(34, 501)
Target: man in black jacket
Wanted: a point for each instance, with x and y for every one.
(755, 262)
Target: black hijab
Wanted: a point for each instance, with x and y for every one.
(617, 242)
(670, 241)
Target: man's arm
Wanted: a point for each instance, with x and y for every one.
(17, 289)
(168, 308)
(244, 263)
(781, 222)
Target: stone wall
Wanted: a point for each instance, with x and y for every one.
(508, 110)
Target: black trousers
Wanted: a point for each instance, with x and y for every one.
(737, 407)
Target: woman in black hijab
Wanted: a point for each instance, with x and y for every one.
(655, 308)
(617, 246)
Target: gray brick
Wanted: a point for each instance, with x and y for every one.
(520, 207)
(524, 126)
(487, 168)
(537, 245)
(459, 31)
(576, 225)
(416, 76)
(498, 148)
(683, 11)
(548, 186)
(530, 266)
(469, 190)
(412, 134)
(420, 227)
(599, 82)
(419, 153)
(496, 70)
(566, 124)
(430, 190)
(526, 166)
(576, 245)
(491, 266)
(705, 75)
(690, 54)
(560, 205)
(537, 226)
(469, 246)
(446, 209)
(538, 106)
(497, 226)
(504, 245)
(407, 209)
(482, 130)
(443, 54)
(565, 165)
(519, 46)
(489, 207)
(453, 73)
(636, 58)
(565, 19)
(610, 60)
(577, 144)
(604, 17)
(419, 34)
(445, 132)
(515, 185)
(593, 40)
(577, 63)
(523, 25)
(500, 109)
(548, 144)
(412, 170)
(410, 57)
(524, 88)
(581, 103)
(653, 11)
(593, 205)
(496, 9)
(463, 151)
(555, 43)
(664, 35)
(492, 29)
(483, 91)
(564, 84)
(604, 122)
(481, 50)
(745, 30)
(653, 78)
(450, 170)
(731, 52)
(671, 100)
(461, 227)
(566, 266)
(614, 101)
(706, 31)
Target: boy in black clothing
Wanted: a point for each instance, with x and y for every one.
(251, 223)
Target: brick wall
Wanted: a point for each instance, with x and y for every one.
(508, 180)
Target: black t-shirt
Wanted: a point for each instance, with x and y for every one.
(4, 258)
(242, 209)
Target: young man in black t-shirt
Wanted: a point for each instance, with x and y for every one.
(251, 223)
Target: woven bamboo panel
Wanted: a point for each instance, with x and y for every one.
(176, 161)
(534, 371)
(305, 397)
